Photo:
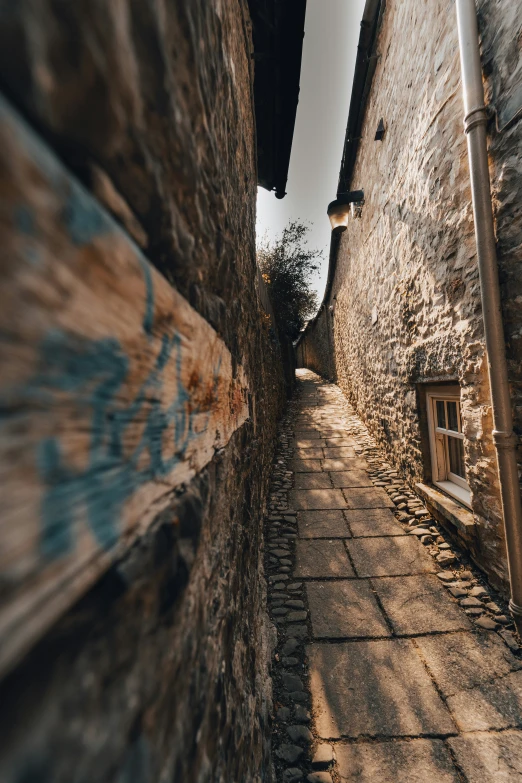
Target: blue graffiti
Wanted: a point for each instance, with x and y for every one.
(82, 217)
(148, 318)
(95, 372)
(130, 442)
(26, 226)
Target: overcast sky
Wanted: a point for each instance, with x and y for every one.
(329, 50)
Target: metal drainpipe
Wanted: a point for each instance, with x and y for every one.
(505, 441)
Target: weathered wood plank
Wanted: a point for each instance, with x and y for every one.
(113, 390)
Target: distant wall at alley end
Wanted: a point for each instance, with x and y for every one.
(141, 384)
(405, 297)
(314, 349)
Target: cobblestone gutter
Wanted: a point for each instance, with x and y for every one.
(395, 660)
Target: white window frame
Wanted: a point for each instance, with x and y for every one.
(442, 477)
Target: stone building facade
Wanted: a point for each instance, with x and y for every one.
(140, 389)
(403, 294)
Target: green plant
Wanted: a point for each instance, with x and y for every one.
(287, 266)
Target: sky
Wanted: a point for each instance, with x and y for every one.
(329, 51)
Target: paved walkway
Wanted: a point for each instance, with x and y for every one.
(381, 676)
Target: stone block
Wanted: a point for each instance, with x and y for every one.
(373, 497)
(322, 524)
(462, 661)
(303, 499)
(491, 705)
(371, 522)
(374, 689)
(419, 604)
(339, 452)
(416, 761)
(391, 556)
(312, 481)
(322, 559)
(309, 453)
(351, 478)
(289, 753)
(323, 757)
(292, 775)
(292, 682)
(299, 734)
(319, 777)
(344, 610)
(489, 757)
(305, 465)
(354, 463)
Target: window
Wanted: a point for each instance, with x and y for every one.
(447, 442)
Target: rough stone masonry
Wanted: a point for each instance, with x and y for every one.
(140, 389)
(404, 307)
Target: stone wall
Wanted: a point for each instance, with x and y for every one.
(141, 386)
(406, 291)
(315, 351)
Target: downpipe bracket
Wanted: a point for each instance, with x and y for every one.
(475, 117)
(504, 440)
(516, 613)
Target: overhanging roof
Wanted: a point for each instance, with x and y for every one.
(278, 28)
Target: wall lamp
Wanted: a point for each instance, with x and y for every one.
(339, 210)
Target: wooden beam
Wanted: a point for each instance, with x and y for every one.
(113, 390)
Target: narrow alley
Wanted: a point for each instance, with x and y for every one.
(393, 662)
(260, 391)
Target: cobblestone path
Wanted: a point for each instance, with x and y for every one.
(387, 669)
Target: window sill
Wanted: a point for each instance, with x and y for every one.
(459, 494)
(457, 515)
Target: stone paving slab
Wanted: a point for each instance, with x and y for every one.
(306, 465)
(312, 481)
(367, 585)
(322, 559)
(309, 443)
(391, 556)
(357, 463)
(371, 522)
(309, 453)
(351, 478)
(374, 689)
(492, 705)
(373, 497)
(415, 761)
(344, 610)
(316, 498)
(460, 661)
(322, 524)
(339, 452)
(489, 758)
(419, 605)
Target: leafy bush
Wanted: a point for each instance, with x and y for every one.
(287, 266)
